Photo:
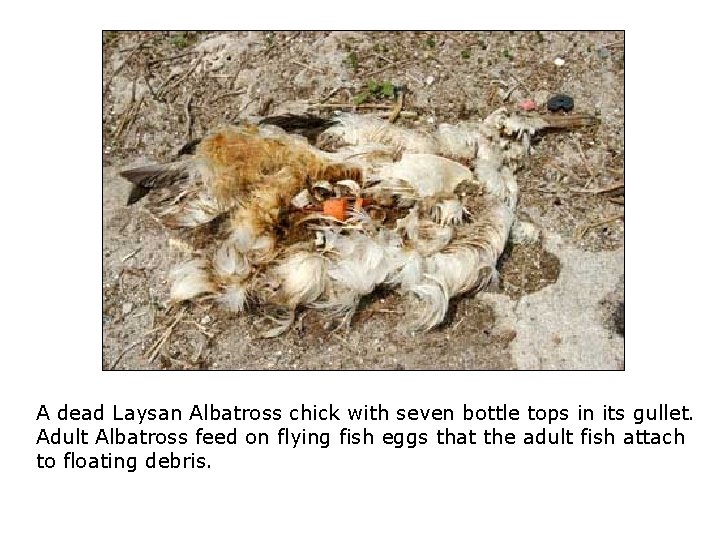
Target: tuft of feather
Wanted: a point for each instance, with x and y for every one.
(448, 212)
(301, 277)
(190, 279)
(432, 303)
(361, 130)
(228, 262)
(234, 297)
(458, 268)
(427, 174)
(151, 177)
(195, 208)
(307, 125)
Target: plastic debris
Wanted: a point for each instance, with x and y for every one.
(528, 105)
(561, 102)
(559, 62)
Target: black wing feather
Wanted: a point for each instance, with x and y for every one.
(151, 177)
(308, 125)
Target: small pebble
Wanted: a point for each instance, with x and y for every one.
(603, 53)
(429, 80)
(127, 307)
(559, 62)
(207, 319)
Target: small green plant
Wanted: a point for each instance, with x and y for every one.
(507, 54)
(465, 54)
(180, 40)
(351, 60)
(375, 90)
(430, 42)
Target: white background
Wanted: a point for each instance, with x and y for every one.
(51, 273)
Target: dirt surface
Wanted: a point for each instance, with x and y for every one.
(160, 89)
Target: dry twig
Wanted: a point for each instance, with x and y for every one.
(306, 66)
(168, 58)
(131, 254)
(155, 349)
(124, 351)
(188, 118)
(596, 191)
(351, 106)
(585, 162)
(225, 95)
(122, 65)
(585, 228)
(395, 111)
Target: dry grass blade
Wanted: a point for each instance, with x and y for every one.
(124, 352)
(596, 191)
(188, 118)
(167, 86)
(168, 58)
(403, 114)
(395, 112)
(131, 254)
(122, 66)
(352, 106)
(157, 346)
(227, 95)
(585, 162)
(585, 228)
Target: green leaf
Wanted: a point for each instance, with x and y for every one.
(373, 86)
(351, 60)
(388, 89)
(361, 98)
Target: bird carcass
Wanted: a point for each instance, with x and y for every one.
(426, 214)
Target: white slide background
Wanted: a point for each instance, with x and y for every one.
(52, 340)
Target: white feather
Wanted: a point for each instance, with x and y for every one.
(234, 297)
(432, 237)
(427, 174)
(302, 278)
(358, 263)
(196, 209)
(432, 297)
(458, 268)
(458, 142)
(448, 212)
(190, 279)
(361, 269)
(409, 269)
(228, 262)
(360, 130)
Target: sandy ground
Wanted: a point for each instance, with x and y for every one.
(560, 303)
